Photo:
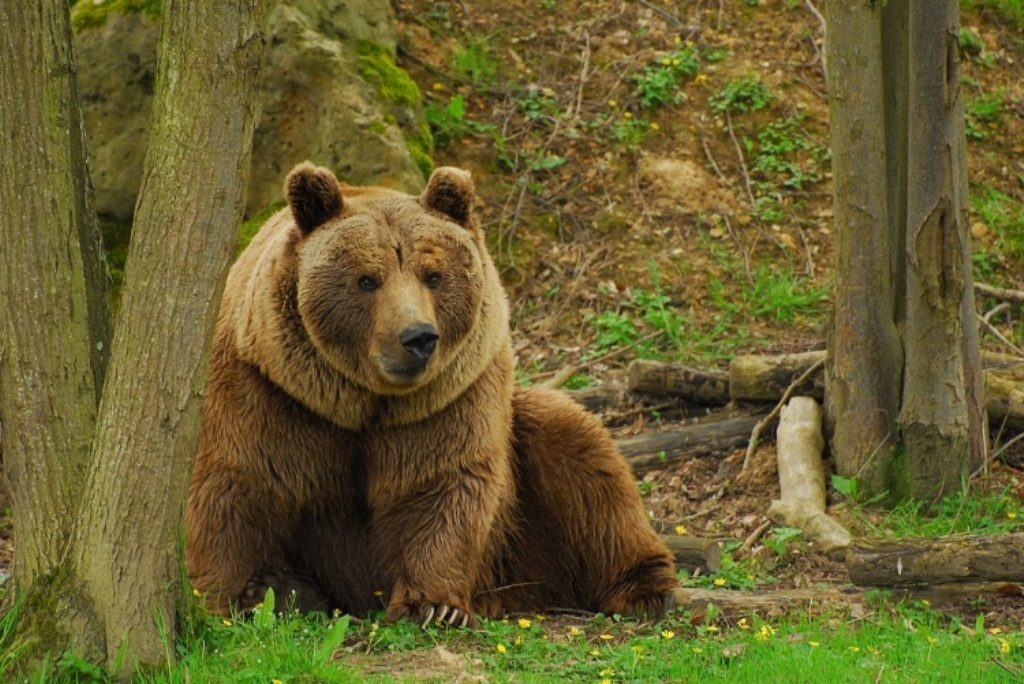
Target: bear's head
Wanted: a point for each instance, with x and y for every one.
(389, 286)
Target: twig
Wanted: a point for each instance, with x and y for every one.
(997, 309)
(742, 159)
(999, 292)
(1009, 442)
(714, 164)
(743, 250)
(754, 536)
(559, 378)
(821, 20)
(755, 434)
(664, 13)
(583, 79)
(988, 327)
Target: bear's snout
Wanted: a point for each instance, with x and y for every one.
(419, 340)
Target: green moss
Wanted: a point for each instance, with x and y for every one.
(421, 146)
(252, 226)
(377, 66)
(899, 477)
(88, 14)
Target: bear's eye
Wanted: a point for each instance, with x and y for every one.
(368, 284)
(433, 280)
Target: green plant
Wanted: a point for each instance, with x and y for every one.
(982, 113)
(959, 513)
(538, 104)
(747, 94)
(476, 63)
(1003, 215)
(1011, 11)
(733, 573)
(782, 153)
(578, 381)
(450, 123)
(776, 293)
(630, 131)
(658, 83)
(780, 538)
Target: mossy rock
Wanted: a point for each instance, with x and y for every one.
(90, 14)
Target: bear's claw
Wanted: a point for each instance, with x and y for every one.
(444, 616)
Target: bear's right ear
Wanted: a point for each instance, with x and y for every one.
(314, 195)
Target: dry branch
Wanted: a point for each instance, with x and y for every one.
(765, 378)
(802, 477)
(909, 562)
(659, 449)
(694, 553)
(999, 292)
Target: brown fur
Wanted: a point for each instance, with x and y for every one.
(336, 462)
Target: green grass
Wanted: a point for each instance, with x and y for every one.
(982, 114)
(777, 294)
(902, 643)
(960, 513)
(1012, 11)
(449, 123)
(1003, 215)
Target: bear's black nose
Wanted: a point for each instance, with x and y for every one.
(420, 340)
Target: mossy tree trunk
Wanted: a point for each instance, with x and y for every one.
(107, 561)
(906, 405)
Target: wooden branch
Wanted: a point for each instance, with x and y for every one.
(909, 562)
(660, 449)
(599, 397)
(755, 435)
(999, 292)
(819, 600)
(694, 553)
(802, 477)
(676, 380)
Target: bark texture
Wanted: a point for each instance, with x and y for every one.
(942, 413)
(904, 379)
(53, 325)
(908, 562)
(865, 354)
(204, 114)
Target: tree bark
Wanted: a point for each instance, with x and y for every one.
(756, 377)
(863, 371)
(942, 416)
(205, 109)
(53, 329)
(909, 562)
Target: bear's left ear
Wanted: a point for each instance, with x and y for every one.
(314, 195)
(450, 192)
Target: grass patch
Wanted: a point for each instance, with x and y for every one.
(1003, 215)
(746, 94)
(1011, 11)
(960, 513)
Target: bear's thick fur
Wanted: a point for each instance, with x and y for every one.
(363, 443)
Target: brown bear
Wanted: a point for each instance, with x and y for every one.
(363, 443)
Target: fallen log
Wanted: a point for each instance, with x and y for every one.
(802, 477)
(825, 599)
(600, 397)
(659, 449)
(909, 562)
(710, 388)
(764, 378)
(694, 553)
(758, 377)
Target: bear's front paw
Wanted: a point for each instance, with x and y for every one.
(439, 613)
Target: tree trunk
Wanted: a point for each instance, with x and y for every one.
(53, 329)
(942, 413)
(205, 110)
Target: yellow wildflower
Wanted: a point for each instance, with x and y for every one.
(743, 624)
(666, 61)
(667, 634)
(524, 623)
(595, 653)
(814, 644)
(854, 649)
(606, 681)
(680, 530)
(541, 618)
(1012, 515)
(227, 623)
(627, 115)
(378, 593)
(677, 40)
(276, 681)
(698, 649)
(689, 43)
(995, 630)
(613, 103)
(607, 672)
(700, 79)
(712, 628)
(676, 62)
(606, 637)
(932, 640)
(766, 632)
(655, 126)
(575, 631)
(195, 592)
(437, 85)
(500, 648)
(719, 582)
(926, 603)
(1004, 646)
(519, 640)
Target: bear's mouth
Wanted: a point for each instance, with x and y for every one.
(406, 372)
